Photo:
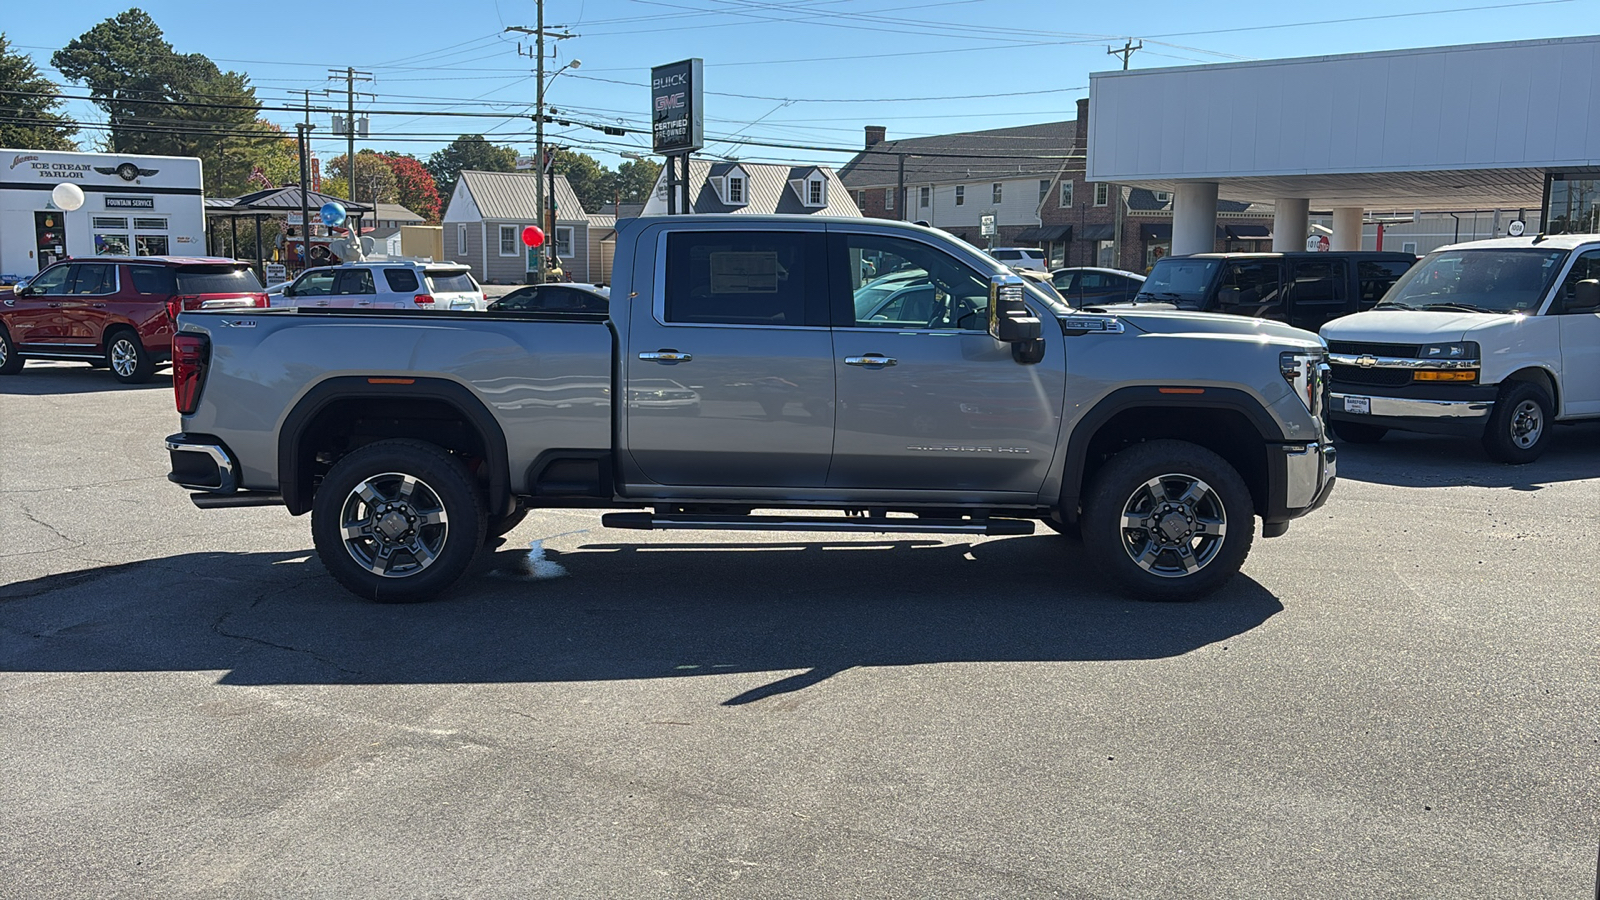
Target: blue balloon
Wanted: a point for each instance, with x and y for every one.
(333, 213)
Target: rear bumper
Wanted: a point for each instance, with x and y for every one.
(200, 462)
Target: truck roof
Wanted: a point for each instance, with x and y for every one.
(1528, 241)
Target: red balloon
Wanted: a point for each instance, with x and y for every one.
(532, 236)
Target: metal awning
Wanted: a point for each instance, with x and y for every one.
(1046, 233)
(1249, 233)
(1099, 233)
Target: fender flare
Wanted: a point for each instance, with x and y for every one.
(1150, 397)
(358, 387)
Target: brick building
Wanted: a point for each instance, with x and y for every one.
(951, 180)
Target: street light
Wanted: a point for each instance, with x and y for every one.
(538, 155)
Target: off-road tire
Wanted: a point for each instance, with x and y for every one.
(129, 361)
(443, 486)
(1124, 484)
(10, 360)
(1520, 424)
(1358, 432)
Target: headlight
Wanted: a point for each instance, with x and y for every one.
(1307, 373)
(1456, 350)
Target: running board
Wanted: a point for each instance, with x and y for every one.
(867, 524)
(236, 499)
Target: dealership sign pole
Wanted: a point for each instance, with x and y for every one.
(677, 117)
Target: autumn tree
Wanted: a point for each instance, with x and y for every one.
(30, 117)
(469, 152)
(375, 182)
(415, 187)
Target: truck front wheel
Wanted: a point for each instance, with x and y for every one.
(398, 521)
(1169, 520)
(1520, 424)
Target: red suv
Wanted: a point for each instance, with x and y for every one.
(117, 312)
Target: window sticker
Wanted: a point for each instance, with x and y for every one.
(744, 272)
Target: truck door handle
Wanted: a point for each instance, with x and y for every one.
(666, 356)
(53, 305)
(873, 360)
(98, 305)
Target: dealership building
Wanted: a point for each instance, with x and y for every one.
(133, 206)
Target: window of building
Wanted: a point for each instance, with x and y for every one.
(888, 197)
(150, 245)
(997, 192)
(1066, 195)
(735, 190)
(564, 240)
(961, 194)
(461, 239)
(508, 240)
(1163, 196)
(107, 244)
(746, 278)
(1044, 189)
(151, 224)
(1102, 194)
(111, 222)
(923, 196)
(816, 193)
(1409, 247)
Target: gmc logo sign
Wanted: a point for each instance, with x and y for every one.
(670, 101)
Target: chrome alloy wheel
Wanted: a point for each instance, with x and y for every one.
(1173, 525)
(5, 353)
(124, 357)
(394, 524)
(1527, 424)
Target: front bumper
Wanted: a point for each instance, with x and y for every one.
(1433, 409)
(1301, 478)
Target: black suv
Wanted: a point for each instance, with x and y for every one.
(1303, 289)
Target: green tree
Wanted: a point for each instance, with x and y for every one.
(374, 179)
(471, 152)
(29, 115)
(635, 179)
(163, 102)
(591, 181)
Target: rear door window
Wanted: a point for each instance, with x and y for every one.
(401, 281)
(353, 281)
(1317, 292)
(92, 278)
(1374, 277)
(746, 278)
(153, 280)
(217, 280)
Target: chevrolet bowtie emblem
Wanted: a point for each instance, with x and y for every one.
(1366, 362)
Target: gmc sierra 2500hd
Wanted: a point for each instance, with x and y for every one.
(755, 363)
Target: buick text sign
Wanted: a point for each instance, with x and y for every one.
(676, 117)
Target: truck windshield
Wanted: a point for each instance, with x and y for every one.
(1499, 280)
(1179, 281)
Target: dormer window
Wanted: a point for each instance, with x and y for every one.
(735, 190)
(811, 187)
(814, 192)
(733, 186)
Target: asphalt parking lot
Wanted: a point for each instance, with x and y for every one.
(1401, 698)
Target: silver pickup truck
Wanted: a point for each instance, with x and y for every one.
(763, 372)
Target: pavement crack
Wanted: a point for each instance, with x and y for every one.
(219, 628)
(73, 544)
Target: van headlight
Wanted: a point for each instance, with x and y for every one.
(1454, 350)
(1307, 373)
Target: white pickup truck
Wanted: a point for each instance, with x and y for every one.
(1494, 339)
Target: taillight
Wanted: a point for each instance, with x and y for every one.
(261, 300)
(422, 299)
(189, 352)
(174, 306)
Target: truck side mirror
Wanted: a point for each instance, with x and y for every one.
(1010, 320)
(1585, 296)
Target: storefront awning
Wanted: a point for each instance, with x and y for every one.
(1097, 233)
(1046, 233)
(1249, 233)
(1162, 231)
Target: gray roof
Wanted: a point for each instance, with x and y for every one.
(953, 158)
(768, 190)
(395, 212)
(287, 198)
(626, 211)
(511, 196)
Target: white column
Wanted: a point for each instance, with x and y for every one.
(1194, 218)
(1346, 228)
(1290, 223)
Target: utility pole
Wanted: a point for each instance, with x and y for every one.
(304, 134)
(1125, 52)
(539, 35)
(351, 76)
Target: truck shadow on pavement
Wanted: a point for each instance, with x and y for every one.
(1425, 460)
(621, 611)
(49, 379)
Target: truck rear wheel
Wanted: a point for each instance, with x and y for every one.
(398, 521)
(10, 361)
(1169, 520)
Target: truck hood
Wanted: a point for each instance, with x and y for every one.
(1166, 320)
(1406, 326)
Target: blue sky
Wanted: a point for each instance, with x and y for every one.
(808, 72)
